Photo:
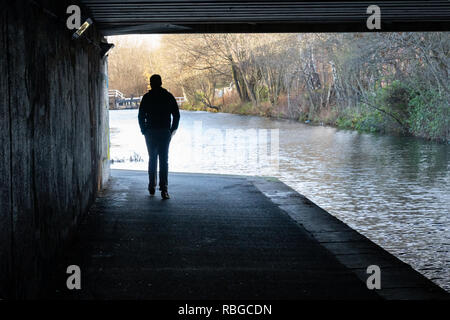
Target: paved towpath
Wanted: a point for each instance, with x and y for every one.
(225, 237)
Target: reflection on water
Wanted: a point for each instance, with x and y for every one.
(394, 190)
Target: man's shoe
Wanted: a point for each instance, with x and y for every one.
(151, 190)
(165, 194)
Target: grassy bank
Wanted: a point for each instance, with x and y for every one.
(392, 109)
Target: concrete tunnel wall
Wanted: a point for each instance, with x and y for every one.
(53, 138)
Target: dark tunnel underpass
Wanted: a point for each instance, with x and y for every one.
(54, 136)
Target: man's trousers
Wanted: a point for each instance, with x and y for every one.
(158, 141)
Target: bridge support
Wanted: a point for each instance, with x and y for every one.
(53, 138)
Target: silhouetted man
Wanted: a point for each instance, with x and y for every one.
(157, 107)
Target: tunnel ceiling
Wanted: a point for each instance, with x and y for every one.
(115, 17)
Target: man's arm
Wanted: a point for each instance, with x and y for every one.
(175, 111)
(142, 116)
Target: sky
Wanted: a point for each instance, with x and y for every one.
(152, 40)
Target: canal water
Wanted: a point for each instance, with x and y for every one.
(393, 190)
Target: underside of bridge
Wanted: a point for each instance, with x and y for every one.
(54, 113)
(199, 16)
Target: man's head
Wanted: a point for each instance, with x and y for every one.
(155, 81)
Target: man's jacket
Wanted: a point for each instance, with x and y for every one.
(155, 110)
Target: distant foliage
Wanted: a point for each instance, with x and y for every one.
(429, 115)
(375, 82)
